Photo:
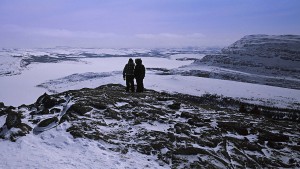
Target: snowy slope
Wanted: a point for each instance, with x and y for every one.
(57, 148)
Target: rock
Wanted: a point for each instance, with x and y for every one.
(44, 111)
(233, 127)
(46, 101)
(140, 114)
(255, 110)
(171, 136)
(156, 111)
(2, 105)
(75, 131)
(47, 122)
(112, 114)
(174, 106)
(79, 108)
(13, 119)
(195, 122)
(275, 145)
(2, 112)
(186, 115)
(164, 98)
(23, 130)
(182, 128)
(243, 109)
(189, 151)
(99, 106)
(274, 137)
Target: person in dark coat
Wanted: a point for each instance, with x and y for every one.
(128, 75)
(139, 74)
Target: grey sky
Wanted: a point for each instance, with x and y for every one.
(142, 23)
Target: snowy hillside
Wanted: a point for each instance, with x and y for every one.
(263, 59)
(286, 47)
(106, 127)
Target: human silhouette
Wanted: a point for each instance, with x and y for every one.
(128, 75)
(139, 74)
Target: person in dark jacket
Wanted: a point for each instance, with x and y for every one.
(128, 75)
(139, 74)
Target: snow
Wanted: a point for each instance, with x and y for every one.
(252, 93)
(56, 148)
(281, 97)
(120, 104)
(20, 85)
(187, 56)
(9, 64)
(155, 126)
(2, 120)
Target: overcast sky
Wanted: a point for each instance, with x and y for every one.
(142, 23)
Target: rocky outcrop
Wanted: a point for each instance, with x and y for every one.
(212, 131)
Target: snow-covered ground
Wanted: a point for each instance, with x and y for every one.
(57, 148)
(37, 78)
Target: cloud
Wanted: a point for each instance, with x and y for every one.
(46, 37)
(170, 36)
(172, 40)
(56, 33)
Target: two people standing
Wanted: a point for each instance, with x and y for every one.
(132, 71)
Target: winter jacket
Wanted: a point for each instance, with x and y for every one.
(128, 69)
(139, 71)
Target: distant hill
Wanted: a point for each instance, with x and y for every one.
(263, 59)
(286, 47)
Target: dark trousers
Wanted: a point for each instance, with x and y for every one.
(139, 85)
(130, 83)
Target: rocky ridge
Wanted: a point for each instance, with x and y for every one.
(264, 59)
(182, 131)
